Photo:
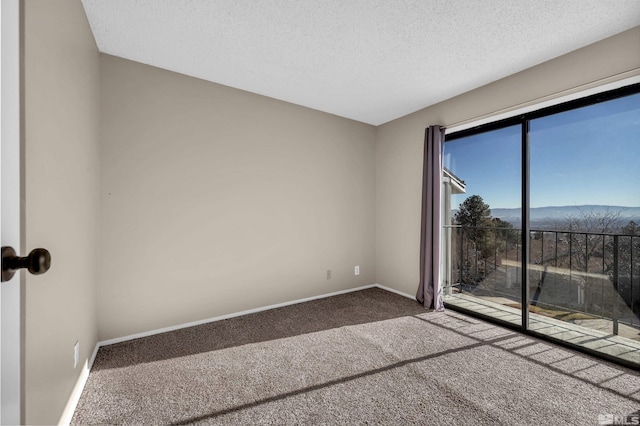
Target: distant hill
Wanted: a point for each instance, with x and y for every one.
(540, 215)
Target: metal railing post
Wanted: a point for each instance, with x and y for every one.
(633, 300)
(460, 279)
(614, 311)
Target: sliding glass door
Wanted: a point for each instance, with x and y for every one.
(559, 188)
(584, 214)
(482, 221)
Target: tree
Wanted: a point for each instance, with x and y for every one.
(628, 246)
(631, 228)
(592, 221)
(479, 238)
(586, 236)
(474, 215)
(502, 226)
(597, 243)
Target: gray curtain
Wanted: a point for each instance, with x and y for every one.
(430, 288)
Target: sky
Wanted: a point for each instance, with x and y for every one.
(590, 155)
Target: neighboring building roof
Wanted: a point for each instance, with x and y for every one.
(457, 185)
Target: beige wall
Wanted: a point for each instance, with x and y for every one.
(399, 144)
(216, 200)
(61, 137)
(213, 200)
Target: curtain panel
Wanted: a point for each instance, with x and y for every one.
(430, 288)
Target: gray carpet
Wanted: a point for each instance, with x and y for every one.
(369, 357)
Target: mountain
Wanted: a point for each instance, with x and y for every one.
(540, 215)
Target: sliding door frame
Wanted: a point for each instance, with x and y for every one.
(523, 120)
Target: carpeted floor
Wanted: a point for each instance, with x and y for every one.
(368, 357)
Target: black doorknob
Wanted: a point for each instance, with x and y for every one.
(38, 262)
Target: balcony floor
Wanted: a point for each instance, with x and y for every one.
(588, 334)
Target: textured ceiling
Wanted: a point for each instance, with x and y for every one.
(369, 60)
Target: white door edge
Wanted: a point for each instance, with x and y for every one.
(10, 342)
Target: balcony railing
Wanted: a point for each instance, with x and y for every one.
(572, 275)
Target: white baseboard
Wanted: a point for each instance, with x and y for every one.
(401, 293)
(70, 408)
(227, 316)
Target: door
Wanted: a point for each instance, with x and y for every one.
(10, 360)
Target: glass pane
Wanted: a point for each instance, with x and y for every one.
(585, 211)
(481, 223)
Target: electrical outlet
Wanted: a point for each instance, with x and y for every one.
(76, 354)
(328, 274)
(356, 270)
